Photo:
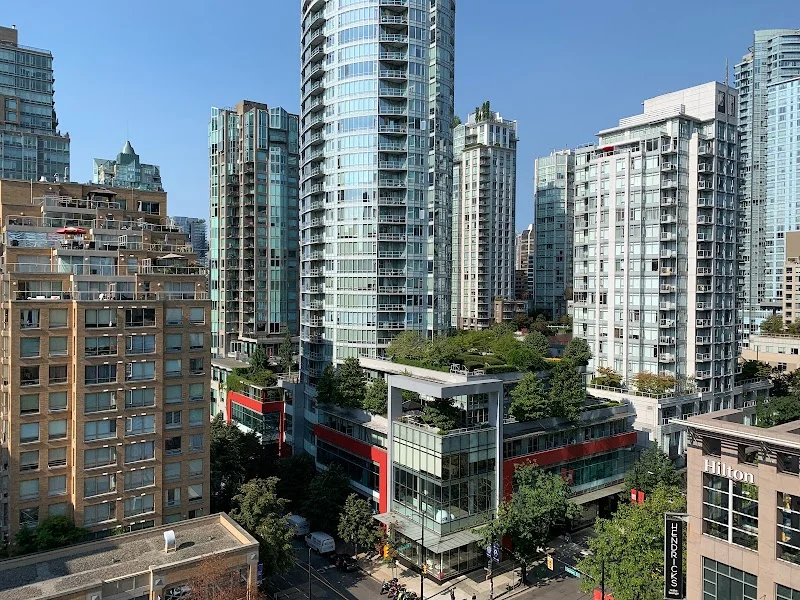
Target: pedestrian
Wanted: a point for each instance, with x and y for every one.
(452, 594)
(474, 597)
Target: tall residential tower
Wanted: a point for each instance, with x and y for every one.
(484, 207)
(31, 146)
(127, 171)
(377, 105)
(253, 155)
(523, 263)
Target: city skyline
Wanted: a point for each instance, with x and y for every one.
(547, 121)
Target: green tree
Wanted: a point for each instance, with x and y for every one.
(539, 504)
(351, 384)
(442, 414)
(408, 345)
(654, 468)
(772, 324)
(259, 361)
(529, 401)
(356, 525)
(260, 511)
(567, 392)
(793, 328)
(652, 383)
(441, 350)
(326, 497)
(326, 386)
(295, 474)
(227, 466)
(777, 410)
(376, 400)
(608, 377)
(53, 532)
(755, 369)
(540, 324)
(537, 342)
(578, 352)
(456, 121)
(286, 354)
(631, 544)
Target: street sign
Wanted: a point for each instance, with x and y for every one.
(260, 573)
(403, 547)
(573, 572)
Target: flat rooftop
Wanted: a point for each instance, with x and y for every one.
(732, 423)
(88, 565)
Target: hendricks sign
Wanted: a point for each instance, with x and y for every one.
(673, 557)
(715, 467)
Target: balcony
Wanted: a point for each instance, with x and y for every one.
(667, 289)
(668, 236)
(703, 339)
(667, 271)
(666, 323)
(705, 185)
(666, 358)
(704, 270)
(666, 340)
(668, 166)
(392, 74)
(702, 374)
(703, 323)
(702, 356)
(666, 305)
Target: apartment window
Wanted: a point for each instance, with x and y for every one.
(174, 316)
(57, 430)
(195, 513)
(789, 463)
(173, 394)
(98, 513)
(58, 346)
(172, 368)
(196, 366)
(172, 471)
(196, 392)
(29, 461)
(29, 318)
(748, 454)
(140, 371)
(197, 314)
(196, 442)
(29, 490)
(99, 430)
(57, 401)
(99, 457)
(28, 404)
(195, 417)
(99, 402)
(172, 419)
(721, 581)
(57, 485)
(712, 446)
(195, 492)
(57, 318)
(29, 517)
(97, 374)
(139, 478)
(29, 375)
(139, 505)
(140, 425)
(100, 317)
(196, 341)
(195, 467)
(730, 510)
(140, 344)
(172, 445)
(173, 342)
(139, 452)
(100, 346)
(784, 593)
(28, 432)
(140, 317)
(174, 518)
(142, 397)
(29, 347)
(172, 497)
(102, 484)
(57, 457)
(58, 374)
(57, 510)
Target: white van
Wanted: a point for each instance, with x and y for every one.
(299, 525)
(320, 542)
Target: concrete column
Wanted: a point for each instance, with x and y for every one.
(395, 410)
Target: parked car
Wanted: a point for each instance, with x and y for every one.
(344, 562)
(320, 542)
(299, 525)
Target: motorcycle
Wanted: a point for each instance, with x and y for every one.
(387, 585)
(396, 591)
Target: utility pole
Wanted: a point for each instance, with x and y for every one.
(309, 573)
(422, 562)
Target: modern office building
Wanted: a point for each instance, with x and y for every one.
(377, 98)
(743, 501)
(773, 58)
(127, 171)
(655, 253)
(523, 263)
(31, 145)
(197, 231)
(254, 262)
(106, 359)
(552, 213)
(140, 565)
(484, 209)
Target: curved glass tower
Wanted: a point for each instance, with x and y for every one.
(376, 177)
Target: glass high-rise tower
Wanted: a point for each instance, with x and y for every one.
(31, 146)
(376, 175)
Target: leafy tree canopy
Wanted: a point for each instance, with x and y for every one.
(567, 392)
(326, 497)
(295, 473)
(356, 525)
(377, 399)
(654, 468)
(608, 377)
(777, 410)
(51, 533)
(652, 383)
(286, 353)
(443, 414)
(578, 352)
(351, 384)
(529, 400)
(536, 341)
(772, 324)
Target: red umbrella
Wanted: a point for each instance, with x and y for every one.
(71, 230)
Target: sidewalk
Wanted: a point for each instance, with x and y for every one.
(465, 585)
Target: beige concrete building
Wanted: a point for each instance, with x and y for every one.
(743, 496)
(138, 566)
(781, 351)
(791, 278)
(105, 346)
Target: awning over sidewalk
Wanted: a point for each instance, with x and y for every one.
(599, 493)
(433, 541)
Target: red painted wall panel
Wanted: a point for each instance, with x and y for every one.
(261, 408)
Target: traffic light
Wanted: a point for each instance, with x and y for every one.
(424, 569)
(549, 562)
(386, 551)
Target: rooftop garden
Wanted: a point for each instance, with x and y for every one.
(258, 373)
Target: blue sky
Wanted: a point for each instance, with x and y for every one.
(151, 70)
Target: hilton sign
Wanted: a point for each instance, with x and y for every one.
(716, 467)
